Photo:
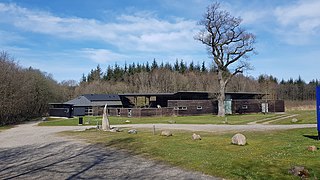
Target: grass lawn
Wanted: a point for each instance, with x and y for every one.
(304, 117)
(268, 155)
(204, 119)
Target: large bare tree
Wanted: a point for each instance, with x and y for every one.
(227, 43)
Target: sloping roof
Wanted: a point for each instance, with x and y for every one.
(79, 101)
(102, 97)
(96, 100)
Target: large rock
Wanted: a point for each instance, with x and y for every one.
(299, 171)
(132, 131)
(114, 129)
(171, 122)
(239, 139)
(312, 148)
(196, 136)
(294, 120)
(166, 133)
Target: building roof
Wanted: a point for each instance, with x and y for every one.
(96, 100)
(147, 94)
(102, 97)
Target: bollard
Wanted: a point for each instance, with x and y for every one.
(318, 110)
(80, 120)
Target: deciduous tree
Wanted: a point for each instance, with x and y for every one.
(227, 43)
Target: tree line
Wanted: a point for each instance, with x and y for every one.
(25, 92)
(180, 76)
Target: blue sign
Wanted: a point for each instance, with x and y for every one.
(318, 107)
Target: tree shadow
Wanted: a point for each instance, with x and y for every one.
(69, 160)
(311, 137)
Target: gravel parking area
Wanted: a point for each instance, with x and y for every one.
(32, 152)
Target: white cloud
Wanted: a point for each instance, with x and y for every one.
(101, 55)
(137, 32)
(300, 22)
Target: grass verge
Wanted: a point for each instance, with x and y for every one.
(268, 155)
(303, 117)
(204, 119)
(2, 128)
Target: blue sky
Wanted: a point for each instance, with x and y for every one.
(69, 37)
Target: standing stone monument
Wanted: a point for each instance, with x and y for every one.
(105, 120)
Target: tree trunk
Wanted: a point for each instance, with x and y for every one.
(221, 95)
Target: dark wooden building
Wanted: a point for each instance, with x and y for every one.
(87, 104)
(165, 104)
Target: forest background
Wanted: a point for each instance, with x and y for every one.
(27, 92)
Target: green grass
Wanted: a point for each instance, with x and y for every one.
(2, 128)
(204, 119)
(304, 117)
(268, 155)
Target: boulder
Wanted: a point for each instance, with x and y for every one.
(312, 148)
(166, 133)
(132, 131)
(114, 129)
(299, 171)
(294, 120)
(127, 121)
(196, 136)
(171, 122)
(239, 139)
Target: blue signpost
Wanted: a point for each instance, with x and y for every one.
(318, 110)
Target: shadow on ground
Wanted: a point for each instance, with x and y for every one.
(311, 137)
(65, 160)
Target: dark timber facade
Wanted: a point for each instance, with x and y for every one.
(165, 104)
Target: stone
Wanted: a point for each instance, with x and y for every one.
(166, 133)
(239, 139)
(132, 131)
(105, 120)
(299, 171)
(44, 119)
(114, 129)
(294, 120)
(196, 136)
(312, 148)
(171, 122)
(127, 121)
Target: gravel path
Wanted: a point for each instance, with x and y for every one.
(32, 152)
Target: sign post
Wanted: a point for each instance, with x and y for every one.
(318, 110)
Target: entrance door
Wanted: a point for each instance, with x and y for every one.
(265, 107)
(228, 106)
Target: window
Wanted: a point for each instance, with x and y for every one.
(180, 108)
(88, 111)
(199, 107)
(244, 107)
(118, 112)
(129, 112)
